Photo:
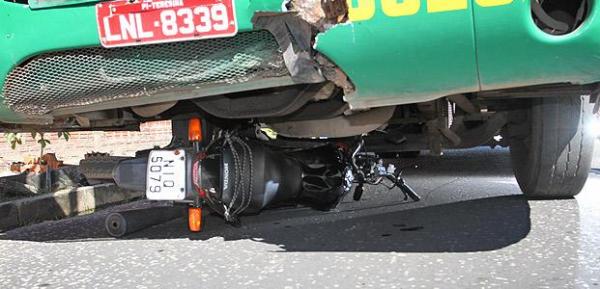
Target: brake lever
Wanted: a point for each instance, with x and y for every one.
(404, 187)
(408, 191)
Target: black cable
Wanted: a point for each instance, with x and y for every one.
(242, 177)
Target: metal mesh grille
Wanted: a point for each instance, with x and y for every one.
(94, 75)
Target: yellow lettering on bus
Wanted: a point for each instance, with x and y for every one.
(434, 6)
(491, 3)
(394, 9)
(365, 10)
(360, 10)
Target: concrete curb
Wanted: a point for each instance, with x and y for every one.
(61, 204)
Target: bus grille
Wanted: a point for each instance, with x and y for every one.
(94, 75)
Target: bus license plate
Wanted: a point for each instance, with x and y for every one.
(138, 22)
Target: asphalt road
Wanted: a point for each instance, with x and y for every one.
(472, 230)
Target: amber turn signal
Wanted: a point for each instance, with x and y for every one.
(195, 130)
(195, 219)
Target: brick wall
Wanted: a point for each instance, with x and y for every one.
(152, 134)
(116, 143)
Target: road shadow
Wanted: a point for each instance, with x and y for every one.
(477, 162)
(468, 226)
(467, 223)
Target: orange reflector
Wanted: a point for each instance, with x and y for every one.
(195, 219)
(195, 130)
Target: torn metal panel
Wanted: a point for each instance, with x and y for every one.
(296, 32)
(294, 36)
(334, 74)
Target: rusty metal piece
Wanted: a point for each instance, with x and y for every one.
(17, 167)
(334, 74)
(336, 11)
(37, 165)
(321, 13)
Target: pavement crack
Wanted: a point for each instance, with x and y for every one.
(428, 193)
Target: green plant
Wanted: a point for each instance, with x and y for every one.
(15, 139)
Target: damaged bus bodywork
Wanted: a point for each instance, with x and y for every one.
(356, 79)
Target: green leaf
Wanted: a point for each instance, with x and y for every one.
(64, 135)
(33, 134)
(13, 139)
(43, 143)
